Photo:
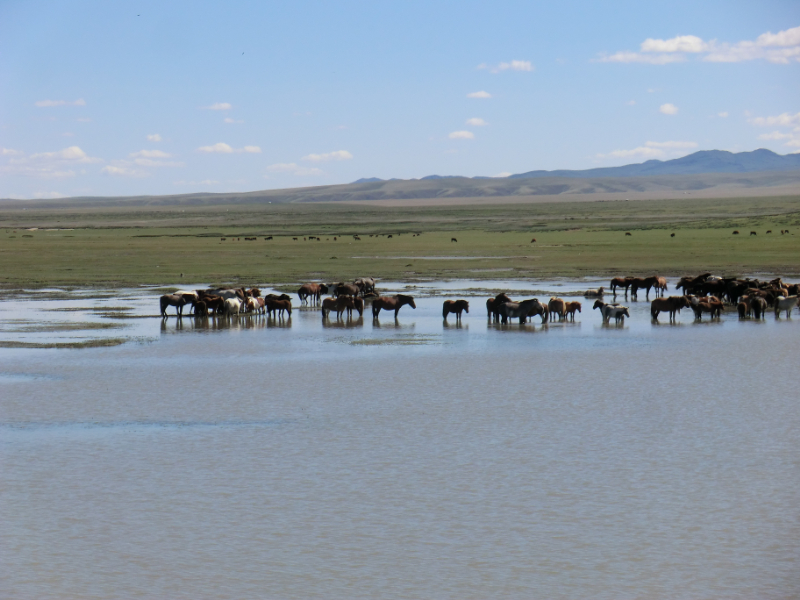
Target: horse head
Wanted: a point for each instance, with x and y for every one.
(598, 304)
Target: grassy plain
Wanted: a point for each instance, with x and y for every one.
(182, 245)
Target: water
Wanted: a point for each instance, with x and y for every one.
(401, 459)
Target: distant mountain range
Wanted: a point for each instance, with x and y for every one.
(705, 161)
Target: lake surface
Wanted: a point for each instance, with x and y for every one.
(259, 458)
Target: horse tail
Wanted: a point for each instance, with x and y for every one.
(164, 305)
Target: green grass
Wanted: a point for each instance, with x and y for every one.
(155, 246)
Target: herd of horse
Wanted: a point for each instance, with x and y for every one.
(703, 294)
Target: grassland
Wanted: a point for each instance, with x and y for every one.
(182, 245)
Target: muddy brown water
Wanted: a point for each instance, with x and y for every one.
(397, 459)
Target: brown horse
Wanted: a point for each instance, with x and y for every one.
(556, 306)
(391, 303)
(623, 282)
(570, 308)
(340, 304)
(646, 283)
(176, 300)
(673, 305)
(313, 291)
(278, 306)
(539, 309)
(358, 304)
(493, 305)
(454, 306)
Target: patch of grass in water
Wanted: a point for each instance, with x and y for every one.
(120, 315)
(68, 309)
(98, 343)
(405, 340)
(111, 308)
(37, 327)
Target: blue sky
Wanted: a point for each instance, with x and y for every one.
(122, 98)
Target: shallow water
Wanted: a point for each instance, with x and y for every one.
(400, 459)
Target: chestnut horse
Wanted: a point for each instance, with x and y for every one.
(556, 306)
(493, 305)
(391, 303)
(341, 304)
(672, 305)
(278, 306)
(454, 306)
(570, 308)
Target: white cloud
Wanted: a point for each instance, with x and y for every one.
(153, 137)
(640, 152)
(122, 171)
(462, 135)
(47, 195)
(681, 43)
(673, 144)
(229, 120)
(149, 162)
(631, 102)
(504, 174)
(52, 103)
(223, 148)
(203, 182)
(218, 106)
(481, 94)
(514, 65)
(10, 152)
(294, 169)
(149, 154)
(779, 48)
(722, 115)
(71, 154)
(476, 122)
(668, 109)
(786, 120)
(337, 155)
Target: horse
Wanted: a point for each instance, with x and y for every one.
(570, 308)
(391, 303)
(358, 304)
(673, 305)
(346, 289)
(313, 291)
(365, 284)
(454, 306)
(758, 306)
(661, 286)
(200, 309)
(278, 306)
(623, 282)
(556, 306)
(214, 303)
(233, 306)
(646, 283)
(492, 305)
(175, 300)
(783, 303)
(598, 293)
(541, 310)
(339, 305)
(743, 310)
(713, 308)
(612, 310)
(515, 310)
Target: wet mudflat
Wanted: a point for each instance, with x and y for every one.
(258, 457)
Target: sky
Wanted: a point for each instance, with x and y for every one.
(135, 97)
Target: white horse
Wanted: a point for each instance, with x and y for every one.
(233, 306)
(785, 303)
(617, 311)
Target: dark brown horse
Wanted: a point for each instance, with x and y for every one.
(672, 305)
(493, 305)
(391, 303)
(646, 283)
(623, 282)
(278, 306)
(314, 291)
(339, 305)
(454, 306)
(176, 300)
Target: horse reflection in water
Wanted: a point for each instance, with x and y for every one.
(220, 323)
(348, 323)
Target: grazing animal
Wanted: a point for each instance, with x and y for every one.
(612, 310)
(598, 293)
(176, 300)
(769, 230)
(556, 306)
(742, 309)
(454, 306)
(785, 303)
(233, 306)
(628, 233)
(735, 233)
(672, 305)
(391, 303)
(753, 233)
(365, 285)
(346, 289)
(493, 305)
(713, 308)
(570, 308)
(269, 237)
(200, 309)
(337, 304)
(313, 291)
(278, 306)
(215, 304)
(671, 235)
(533, 240)
(646, 283)
(453, 240)
(541, 310)
(623, 282)
(519, 310)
